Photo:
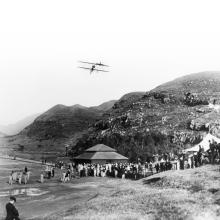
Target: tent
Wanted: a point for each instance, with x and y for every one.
(204, 143)
(100, 153)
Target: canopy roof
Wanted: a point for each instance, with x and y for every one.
(204, 143)
(101, 156)
(100, 152)
(100, 148)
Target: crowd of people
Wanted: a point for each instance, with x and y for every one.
(196, 159)
(158, 164)
(213, 152)
(123, 170)
(19, 176)
(23, 176)
(140, 169)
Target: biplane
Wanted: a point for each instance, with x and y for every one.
(94, 66)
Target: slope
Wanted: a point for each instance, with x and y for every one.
(50, 133)
(172, 115)
(62, 121)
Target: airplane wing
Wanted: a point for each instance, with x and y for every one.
(84, 68)
(101, 70)
(86, 62)
(100, 64)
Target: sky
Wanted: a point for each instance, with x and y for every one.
(145, 43)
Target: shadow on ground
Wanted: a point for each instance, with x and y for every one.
(152, 180)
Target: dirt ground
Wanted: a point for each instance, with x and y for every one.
(185, 194)
(36, 200)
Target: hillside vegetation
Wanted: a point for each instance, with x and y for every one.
(61, 121)
(165, 119)
(51, 131)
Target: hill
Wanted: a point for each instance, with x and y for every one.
(105, 106)
(195, 195)
(165, 119)
(51, 131)
(15, 128)
(204, 83)
(62, 121)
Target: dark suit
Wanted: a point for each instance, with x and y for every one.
(12, 212)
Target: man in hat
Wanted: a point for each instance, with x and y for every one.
(12, 212)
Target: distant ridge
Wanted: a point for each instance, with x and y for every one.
(62, 121)
(18, 126)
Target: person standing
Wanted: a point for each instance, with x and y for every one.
(123, 173)
(53, 172)
(95, 170)
(49, 174)
(67, 176)
(28, 175)
(25, 178)
(157, 167)
(178, 164)
(20, 178)
(25, 169)
(63, 177)
(12, 212)
(151, 168)
(116, 172)
(10, 181)
(42, 178)
(189, 162)
(14, 176)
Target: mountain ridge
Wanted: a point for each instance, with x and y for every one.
(162, 120)
(165, 119)
(63, 121)
(15, 128)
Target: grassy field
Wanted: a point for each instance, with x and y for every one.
(185, 194)
(29, 148)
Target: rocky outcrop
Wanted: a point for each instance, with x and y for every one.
(193, 100)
